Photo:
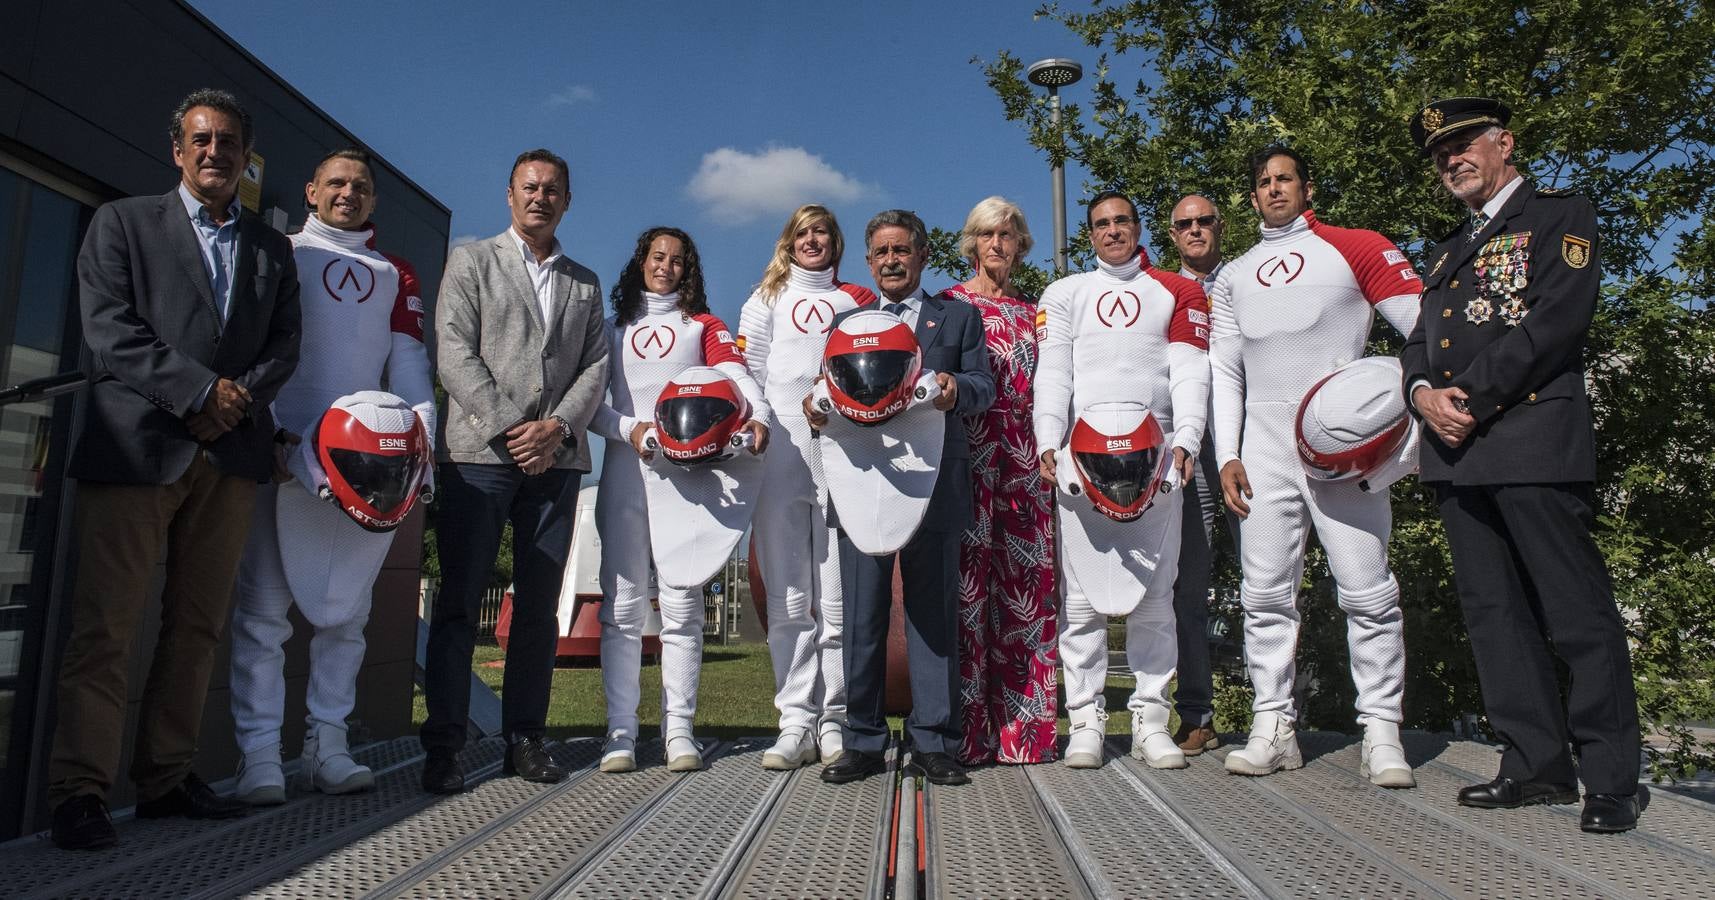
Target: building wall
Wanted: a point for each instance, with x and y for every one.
(86, 92)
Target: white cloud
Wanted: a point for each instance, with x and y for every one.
(572, 95)
(461, 240)
(735, 186)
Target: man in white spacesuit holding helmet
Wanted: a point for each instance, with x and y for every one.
(362, 324)
(1286, 314)
(1127, 333)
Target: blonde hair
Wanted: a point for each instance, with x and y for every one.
(780, 267)
(988, 215)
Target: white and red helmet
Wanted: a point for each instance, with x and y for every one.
(1353, 424)
(1121, 457)
(871, 365)
(699, 416)
(375, 454)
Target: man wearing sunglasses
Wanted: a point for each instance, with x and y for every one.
(1197, 228)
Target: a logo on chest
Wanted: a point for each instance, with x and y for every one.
(1280, 269)
(653, 341)
(813, 315)
(347, 280)
(1119, 309)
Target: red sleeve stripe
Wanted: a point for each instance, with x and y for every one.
(864, 296)
(719, 346)
(1380, 269)
(407, 316)
(1189, 323)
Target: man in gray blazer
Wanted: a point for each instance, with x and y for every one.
(523, 358)
(190, 310)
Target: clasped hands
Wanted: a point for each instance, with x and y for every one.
(222, 410)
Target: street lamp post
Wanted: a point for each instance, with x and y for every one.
(1055, 74)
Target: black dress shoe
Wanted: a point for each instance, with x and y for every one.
(192, 799)
(83, 823)
(937, 768)
(1613, 813)
(1505, 793)
(528, 759)
(442, 774)
(854, 765)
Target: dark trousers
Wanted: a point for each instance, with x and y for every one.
(475, 503)
(1194, 694)
(202, 520)
(1532, 583)
(929, 577)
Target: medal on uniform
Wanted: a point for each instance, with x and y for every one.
(1513, 311)
(1478, 311)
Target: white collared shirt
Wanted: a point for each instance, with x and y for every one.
(913, 306)
(541, 275)
(1493, 207)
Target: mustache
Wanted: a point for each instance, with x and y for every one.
(894, 269)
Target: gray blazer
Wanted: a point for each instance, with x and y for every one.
(151, 323)
(501, 364)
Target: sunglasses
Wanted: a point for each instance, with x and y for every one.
(1202, 221)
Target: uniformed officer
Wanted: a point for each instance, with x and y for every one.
(1495, 369)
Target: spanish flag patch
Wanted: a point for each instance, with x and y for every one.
(740, 343)
(1041, 317)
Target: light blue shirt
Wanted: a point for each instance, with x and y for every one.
(219, 246)
(913, 305)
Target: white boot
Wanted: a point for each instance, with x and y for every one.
(1273, 746)
(793, 749)
(683, 753)
(832, 743)
(1084, 746)
(1384, 757)
(1150, 741)
(619, 754)
(327, 765)
(261, 782)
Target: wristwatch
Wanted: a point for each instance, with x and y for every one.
(565, 428)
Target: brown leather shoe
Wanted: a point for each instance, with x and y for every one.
(1194, 739)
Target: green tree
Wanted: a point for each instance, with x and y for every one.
(1613, 100)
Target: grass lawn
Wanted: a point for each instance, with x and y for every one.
(736, 698)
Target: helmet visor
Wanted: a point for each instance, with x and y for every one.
(868, 377)
(686, 419)
(1122, 478)
(384, 482)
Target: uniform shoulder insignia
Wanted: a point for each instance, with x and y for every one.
(1558, 193)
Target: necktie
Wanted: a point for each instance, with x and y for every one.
(1478, 223)
(897, 309)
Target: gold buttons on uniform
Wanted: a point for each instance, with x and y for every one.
(1446, 313)
(1531, 398)
(1445, 343)
(1447, 373)
(1455, 283)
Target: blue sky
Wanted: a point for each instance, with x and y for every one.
(719, 118)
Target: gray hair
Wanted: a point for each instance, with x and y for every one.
(988, 215)
(897, 218)
(215, 99)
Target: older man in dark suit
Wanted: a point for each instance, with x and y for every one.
(190, 311)
(522, 353)
(950, 334)
(1495, 369)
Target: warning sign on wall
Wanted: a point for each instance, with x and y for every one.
(250, 185)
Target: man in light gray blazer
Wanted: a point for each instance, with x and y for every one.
(523, 358)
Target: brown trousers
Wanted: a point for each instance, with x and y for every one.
(202, 520)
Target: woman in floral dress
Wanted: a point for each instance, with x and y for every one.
(1007, 655)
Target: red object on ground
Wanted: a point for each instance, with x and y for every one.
(583, 640)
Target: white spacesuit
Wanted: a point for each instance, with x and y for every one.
(1285, 314)
(797, 549)
(648, 353)
(362, 322)
(1121, 333)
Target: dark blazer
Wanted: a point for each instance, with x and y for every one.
(151, 323)
(950, 335)
(1524, 374)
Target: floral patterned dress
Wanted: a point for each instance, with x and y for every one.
(1008, 656)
